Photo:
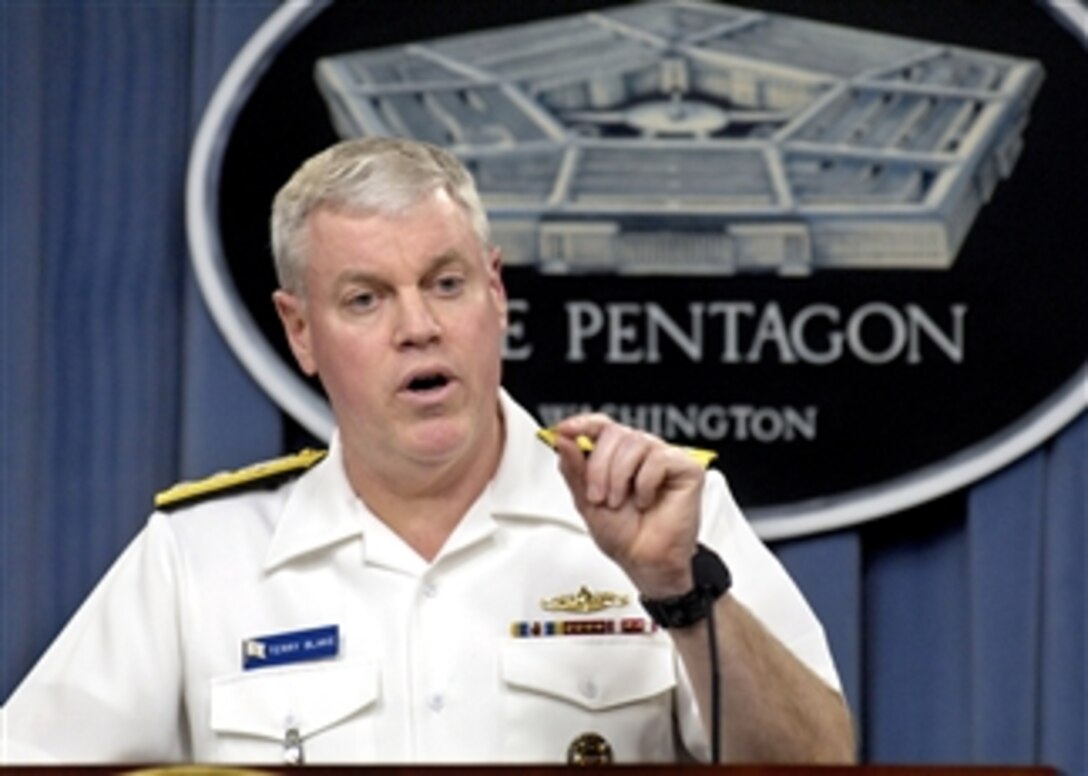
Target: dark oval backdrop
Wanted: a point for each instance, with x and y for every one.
(1022, 270)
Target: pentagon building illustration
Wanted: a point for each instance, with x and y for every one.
(685, 137)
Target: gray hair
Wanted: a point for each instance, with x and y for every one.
(365, 176)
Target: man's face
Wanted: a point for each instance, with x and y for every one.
(402, 320)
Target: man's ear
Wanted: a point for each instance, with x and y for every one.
(494, 281)
(296, 325)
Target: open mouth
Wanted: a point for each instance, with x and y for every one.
(427, 382)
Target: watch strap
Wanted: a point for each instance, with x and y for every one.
(712, 579)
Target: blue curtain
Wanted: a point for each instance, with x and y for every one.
(959, 627)
(115, 382)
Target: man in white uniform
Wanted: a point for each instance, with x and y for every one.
(442, 586)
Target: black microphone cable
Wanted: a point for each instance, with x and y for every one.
(715, 689)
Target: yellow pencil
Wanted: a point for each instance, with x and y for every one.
(585, 444)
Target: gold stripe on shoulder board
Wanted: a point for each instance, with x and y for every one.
(185, 491)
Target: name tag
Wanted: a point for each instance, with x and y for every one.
(294, 647)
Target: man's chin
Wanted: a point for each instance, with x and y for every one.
(438, 442)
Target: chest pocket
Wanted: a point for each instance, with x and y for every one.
(619, 688)
(250, 711)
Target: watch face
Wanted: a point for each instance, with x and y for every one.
(711, 574)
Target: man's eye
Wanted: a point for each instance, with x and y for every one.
(362, 300)
(449, 284)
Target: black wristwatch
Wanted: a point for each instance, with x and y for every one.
(712, 579)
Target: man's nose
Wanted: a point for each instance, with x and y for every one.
(416, 322)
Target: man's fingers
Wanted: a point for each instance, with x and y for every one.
(610, 465)
(630, 454)
(589, 424)
(651, 477)
(595, 485)
(624, 465)
(572, 465)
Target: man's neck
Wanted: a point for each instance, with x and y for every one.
(424, 503)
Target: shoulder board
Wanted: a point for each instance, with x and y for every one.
(266, 473)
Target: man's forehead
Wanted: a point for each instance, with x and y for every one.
(393, 206)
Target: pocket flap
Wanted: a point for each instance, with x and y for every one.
(597, 674)
(309, 698)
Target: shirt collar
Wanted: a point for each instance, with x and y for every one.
(322, 510)
(527, 484)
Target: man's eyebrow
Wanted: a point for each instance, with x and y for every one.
(443, 261)
(451, 256)
(358, 277)
(434, 265)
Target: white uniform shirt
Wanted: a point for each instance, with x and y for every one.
(427, 667)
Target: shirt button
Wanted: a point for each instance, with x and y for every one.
(588, 688)
(430, 589)
(436, 703)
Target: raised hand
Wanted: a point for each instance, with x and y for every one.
(640, 499)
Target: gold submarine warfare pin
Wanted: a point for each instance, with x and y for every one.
(585, 601)
(585, 444)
